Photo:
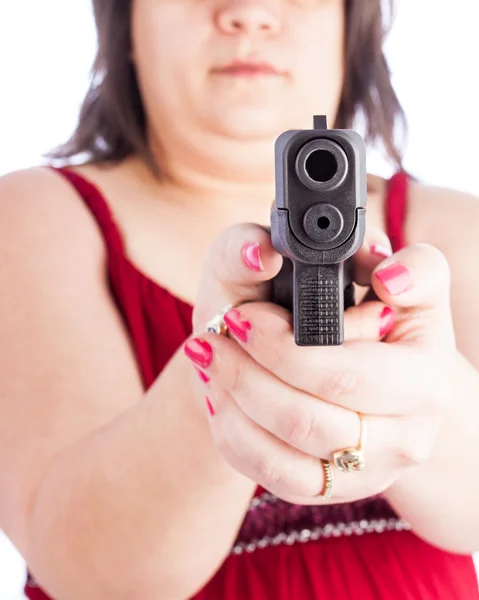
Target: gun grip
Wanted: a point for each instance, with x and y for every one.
(319, 296)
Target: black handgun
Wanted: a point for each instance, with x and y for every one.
(317, 223)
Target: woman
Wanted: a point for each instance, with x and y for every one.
(143, 457)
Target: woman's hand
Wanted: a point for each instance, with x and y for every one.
(277, 409)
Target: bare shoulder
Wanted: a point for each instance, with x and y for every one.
(41, 212)
(444, 217)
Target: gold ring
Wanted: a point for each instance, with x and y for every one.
(352, 459)
(217, 324)
(328, 480)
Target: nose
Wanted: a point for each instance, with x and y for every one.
(240, 16)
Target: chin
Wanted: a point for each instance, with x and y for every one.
(254, 113)
(244, 141)
(246, 123)
(249, 123)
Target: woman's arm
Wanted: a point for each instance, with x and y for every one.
(107, 492)
(141, 508)
(441, 498)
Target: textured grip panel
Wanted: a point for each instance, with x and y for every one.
(319, 304)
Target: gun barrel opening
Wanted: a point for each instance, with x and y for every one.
(321, 165)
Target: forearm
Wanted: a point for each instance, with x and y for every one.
(144, 508)
(440, 499)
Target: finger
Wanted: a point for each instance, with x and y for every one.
(359, 375)
(285, 470)
(292, 475)
(257, 454)
(295, 417)
(368, 321)
(417, 279)
(376, 248)
(308, 424)
(238, 266)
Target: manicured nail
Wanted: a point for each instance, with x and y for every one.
(200, 352)
(395, 278)
(237, 324)
(382, 251)
(387, 320)
(211, 410)
(203, 376)
(251, 256)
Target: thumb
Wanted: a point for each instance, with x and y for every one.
(238, 266)
(417, 280)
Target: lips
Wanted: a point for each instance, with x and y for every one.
(248, 69)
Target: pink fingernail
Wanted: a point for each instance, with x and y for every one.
(379, 250)
(211, 410)
(387, 320)
(395, 278)
(237, 324)
(203, 376)
(200, 352)
(251, 256)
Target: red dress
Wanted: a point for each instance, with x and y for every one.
(359, 551)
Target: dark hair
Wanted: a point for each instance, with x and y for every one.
(111, 124)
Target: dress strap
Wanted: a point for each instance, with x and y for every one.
(125, 280)
(396, 208)
(98, 206)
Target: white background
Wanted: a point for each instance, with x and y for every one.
(46, 48)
